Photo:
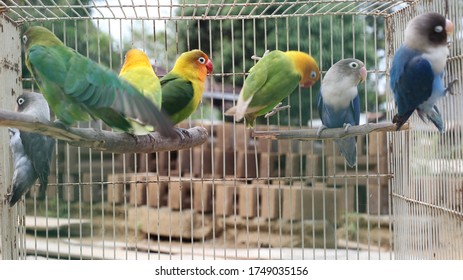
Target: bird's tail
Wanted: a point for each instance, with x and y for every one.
(230, 112)
(348, 149)
(434, 116)
(16, 194)
(401, 120)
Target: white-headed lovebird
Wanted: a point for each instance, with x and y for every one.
(417, 70)
(339, 102)
(32, 152)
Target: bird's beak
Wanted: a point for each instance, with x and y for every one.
(307, 84)
(449, 27)
(209, 66)
(363, 73)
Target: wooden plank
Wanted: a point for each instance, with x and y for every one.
(74, 227)
(203, 157)
(225, 196)
(269, 165)
(165, 222)
(246, 164)
(202, 197)
(248, 200)
(224, 163)
(319, 202)
(180, 195)
(370, 169)
(271, 202)
(157, 194)
(118, 187)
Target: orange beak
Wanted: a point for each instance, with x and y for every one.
(449, 27)
(307, 84)
(209, 66)
(363, 73)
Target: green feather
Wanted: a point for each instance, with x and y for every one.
(78, 88)
(177, 97)
(270, 80)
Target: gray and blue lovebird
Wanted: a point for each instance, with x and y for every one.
(417, 70)
(339, 102)
(32, 152)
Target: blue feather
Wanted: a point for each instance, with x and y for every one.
(415, 87)
(332, 118)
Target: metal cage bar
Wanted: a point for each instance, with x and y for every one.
(237, 196)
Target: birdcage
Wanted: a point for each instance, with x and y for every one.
(241, 193)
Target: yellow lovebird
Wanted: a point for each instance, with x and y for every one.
(137, 70)
(183, 86)
(275, 76)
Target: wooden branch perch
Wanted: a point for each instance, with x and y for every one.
(329, 133)
(116, 142)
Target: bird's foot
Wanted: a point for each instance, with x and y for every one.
(320, 129)
(61, 124)
(346, 126)
(255, 57)
(134, 136)
(181, 132)
(449, 87)
(276, 110)
(8, 196)
(151, 137)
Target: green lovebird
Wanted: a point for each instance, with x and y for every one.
(275, 76)
(78, 89)
(183, 86)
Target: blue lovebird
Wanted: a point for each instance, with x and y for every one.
(417, 69)
(339, 102)
(32, 152)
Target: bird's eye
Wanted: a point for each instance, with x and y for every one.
(439, 28)
(24, 39)
(353, 65)
(313, 74)
(20, 101)
(202, 60)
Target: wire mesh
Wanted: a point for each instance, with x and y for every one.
(426, 189)
(237, 196)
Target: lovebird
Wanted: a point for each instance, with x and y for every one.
(417, 70)
(78, 89)
(183, 86)
(275, 76)
(137, 70)
(339, 103)
(32, 152)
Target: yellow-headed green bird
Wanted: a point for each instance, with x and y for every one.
(77, 88)
(137, 70)
(183, 86)
(274, 77)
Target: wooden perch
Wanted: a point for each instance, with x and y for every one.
(329, 133)
(101, 140)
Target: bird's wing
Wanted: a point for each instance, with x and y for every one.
(177, 93)
(411, 80)
(39, 149)
(355, 111)
(24, 174)
(98, 89)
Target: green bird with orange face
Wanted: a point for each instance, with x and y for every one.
(275, 76)
(78, 89)
(183, 86)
